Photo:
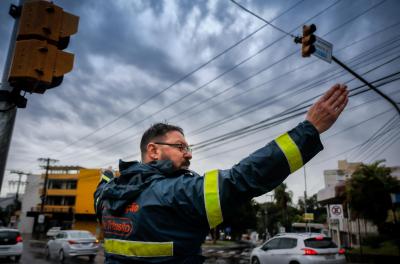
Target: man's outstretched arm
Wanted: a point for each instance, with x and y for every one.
(269, 166)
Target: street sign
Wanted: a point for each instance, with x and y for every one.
(335, 211)
(41, 218)
(323, 49)
(309, 216)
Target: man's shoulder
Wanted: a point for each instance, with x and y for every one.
(185, 180)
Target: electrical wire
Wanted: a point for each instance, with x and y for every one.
(261, 124)
(180, 79)
(262, 19)
(204, 85)
(108, 146)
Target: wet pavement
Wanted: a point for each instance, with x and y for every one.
(34, 253)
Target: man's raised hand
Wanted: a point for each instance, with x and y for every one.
(327, 109)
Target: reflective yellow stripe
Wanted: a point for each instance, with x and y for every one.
(291, 151)
(211, 198)
(104, 177)
(139, 249)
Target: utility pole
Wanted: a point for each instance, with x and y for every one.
(19, 182)
(8, 111)
(35, 61)
(44, 192)
(305, 195)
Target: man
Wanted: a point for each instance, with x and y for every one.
(158, 211)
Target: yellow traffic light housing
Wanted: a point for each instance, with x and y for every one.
(36, 63)
(39, 62)
(308, 40)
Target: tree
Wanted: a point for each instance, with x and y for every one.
(368, 192)
(245, 218)
(283, 198)
(313, 207)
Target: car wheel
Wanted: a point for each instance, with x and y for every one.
(17, 258)
(61, 256)
(47, 253)
(255, 261)
(91, 258)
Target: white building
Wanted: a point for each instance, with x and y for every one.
(30, 198)
(344, 231)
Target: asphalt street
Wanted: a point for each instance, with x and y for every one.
(34, 254)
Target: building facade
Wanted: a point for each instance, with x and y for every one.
(343, 230)
(67, 201)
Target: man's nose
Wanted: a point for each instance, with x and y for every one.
(188, 155)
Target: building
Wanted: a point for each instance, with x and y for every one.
(344, 231)
(68, 200)
(29, 199)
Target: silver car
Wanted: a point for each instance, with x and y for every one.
(72, 243)
(298, 248)
(11, 243)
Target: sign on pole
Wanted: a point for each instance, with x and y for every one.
(323, 49)
(309, 216)
(335, 211)
(41, 219)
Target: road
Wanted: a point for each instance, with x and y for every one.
(34, 254)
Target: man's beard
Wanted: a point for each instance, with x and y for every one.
(185, 164)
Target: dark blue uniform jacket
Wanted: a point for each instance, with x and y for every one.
(154, 214)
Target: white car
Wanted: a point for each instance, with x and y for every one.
(11, 244)
(72, 243)
(298, 248)
(53, 231)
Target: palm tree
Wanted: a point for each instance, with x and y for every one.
(368, 192)
(283, 198)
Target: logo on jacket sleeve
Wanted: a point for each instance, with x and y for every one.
(119, 226)
(132, 208)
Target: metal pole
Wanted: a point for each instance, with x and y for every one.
(366, 82)
(7, 110)
(44, 192)
(46, 179)
(19, 183)
(305, 195)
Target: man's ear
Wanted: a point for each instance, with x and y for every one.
(152, 151)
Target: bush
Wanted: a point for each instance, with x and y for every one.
(374, 241)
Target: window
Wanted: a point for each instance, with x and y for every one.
(80, 235)
(320, 242)
(286, 242)
(60, 235)
(62, 184)
(272, 244)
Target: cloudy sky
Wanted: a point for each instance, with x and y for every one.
(211, 68)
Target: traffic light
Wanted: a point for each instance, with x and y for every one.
(38, 61)
(308, 40)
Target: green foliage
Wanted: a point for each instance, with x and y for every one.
(368, 192)
(245, 218)
(312, 207)
(283, 199)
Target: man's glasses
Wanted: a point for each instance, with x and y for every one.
(182, 147)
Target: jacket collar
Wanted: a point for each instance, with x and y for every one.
(160, 167)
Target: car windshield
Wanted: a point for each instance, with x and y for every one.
(80, 235)
(318, 242)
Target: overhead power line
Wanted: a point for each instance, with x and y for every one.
(154, 113)
(207, 83)
(266, 101)
(187, 75)
(263, 123)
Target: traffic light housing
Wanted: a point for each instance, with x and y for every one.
(38, 61)
(308, 40)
